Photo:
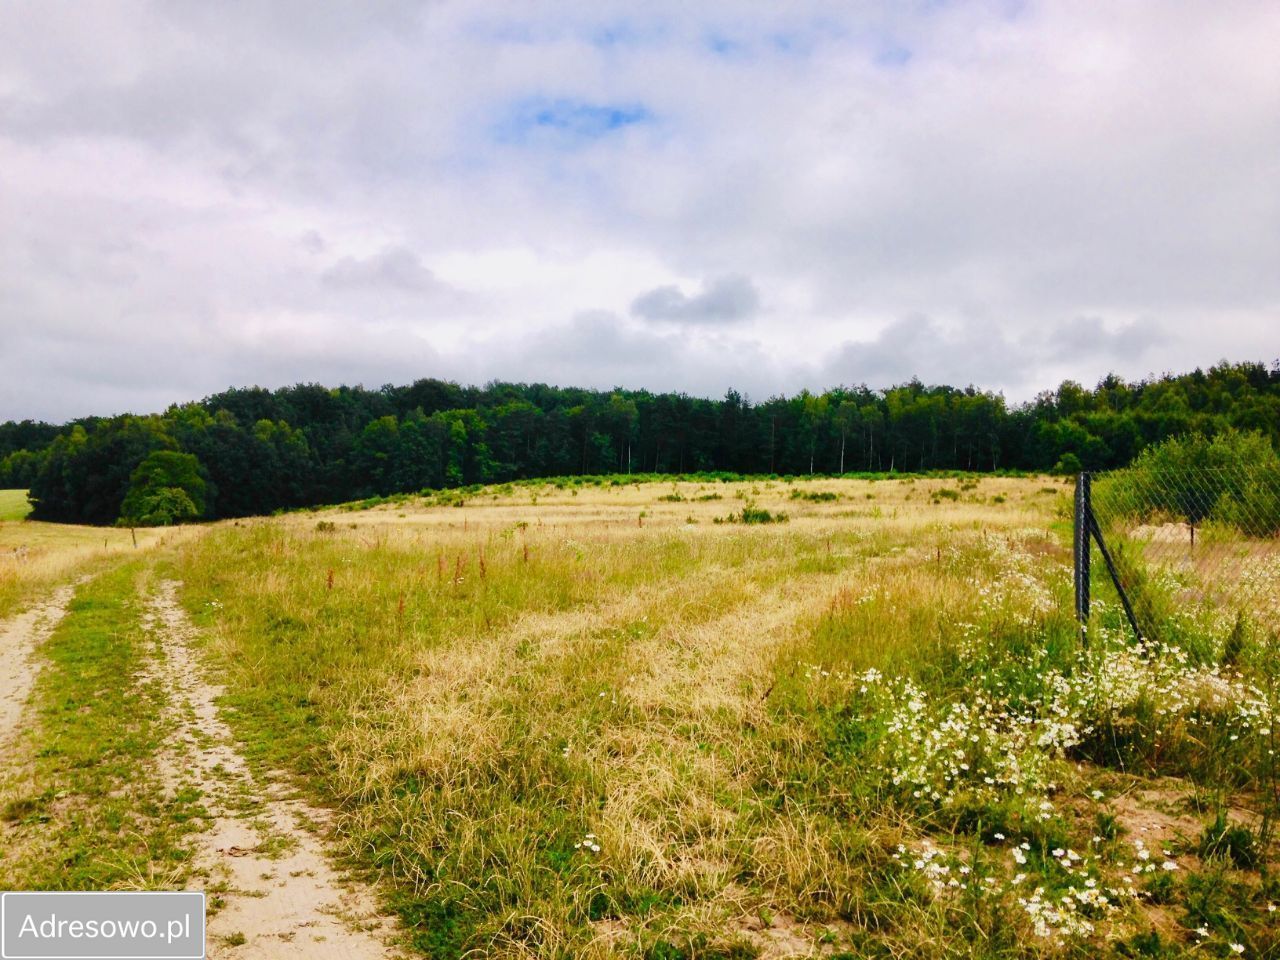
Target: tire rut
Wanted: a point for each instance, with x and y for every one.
(19, 638)
(271, 890)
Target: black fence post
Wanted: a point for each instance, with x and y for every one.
(1115, 576)
(1082, 530)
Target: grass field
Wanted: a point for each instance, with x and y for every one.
(639, 720)
(34, 556)
(13, 505)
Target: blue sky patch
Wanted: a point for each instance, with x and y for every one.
(890, 53)
(568, 119)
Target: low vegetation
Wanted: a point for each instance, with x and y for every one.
(13, 505)
(582, 719)
(552, 731)
(80, 802)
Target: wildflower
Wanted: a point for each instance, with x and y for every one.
(1237, 948)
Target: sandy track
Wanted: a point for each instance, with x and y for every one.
(280, 897)
(19, 638)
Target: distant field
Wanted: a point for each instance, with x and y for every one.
(678, 721)
(13, 504)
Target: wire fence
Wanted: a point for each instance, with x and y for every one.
(1180, 542)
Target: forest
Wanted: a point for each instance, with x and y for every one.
(250, 451)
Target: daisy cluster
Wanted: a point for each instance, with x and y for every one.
(934, 750)
(1000, 742)
(1067, 898)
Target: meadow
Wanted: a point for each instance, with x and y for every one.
(704, 719)
(13, 505)
(35, 556)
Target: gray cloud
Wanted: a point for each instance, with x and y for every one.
(601, 349)
(918, 346)
(1089, 338)
(721, 301)
(394, 267)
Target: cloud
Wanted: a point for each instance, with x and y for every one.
(1008, 194)
(1089, 337)
(601, 349)
(971, 352)
(394, 268)
(724, 300)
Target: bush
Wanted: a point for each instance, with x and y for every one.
(815, 496)
(1233, 478)
(1069, 463)
(752, 514)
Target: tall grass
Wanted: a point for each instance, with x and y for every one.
(555, 732)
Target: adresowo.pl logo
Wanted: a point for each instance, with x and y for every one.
(60, 925)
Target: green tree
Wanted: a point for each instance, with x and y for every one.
(166, 488)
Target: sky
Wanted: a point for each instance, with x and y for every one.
(668, 196)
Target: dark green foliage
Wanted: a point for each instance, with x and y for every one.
(266, 450)
(166, 488)
(1233, 842)
(1232, 477)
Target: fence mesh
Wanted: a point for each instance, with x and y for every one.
(1184, 542)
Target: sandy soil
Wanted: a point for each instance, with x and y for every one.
(271, 890)
(19, 638)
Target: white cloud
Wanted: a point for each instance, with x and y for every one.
(1002, 193)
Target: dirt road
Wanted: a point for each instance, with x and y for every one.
(276, 894)
(19, 638)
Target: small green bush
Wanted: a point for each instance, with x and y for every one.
(815, 496)
(750, 513)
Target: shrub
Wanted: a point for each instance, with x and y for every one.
(1233, 478)
(815, 496)
(750, 513)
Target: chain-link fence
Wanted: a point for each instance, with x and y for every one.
(1169, 543)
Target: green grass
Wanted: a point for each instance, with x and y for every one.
(14, 504)
(82, 807)
(477, 698)
(864, 734)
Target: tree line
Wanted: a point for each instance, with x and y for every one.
(253, 451)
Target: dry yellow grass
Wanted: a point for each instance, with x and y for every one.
(601, 723)
(34, 555)
(487, 683)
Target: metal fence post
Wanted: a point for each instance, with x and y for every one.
(1082, 530)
